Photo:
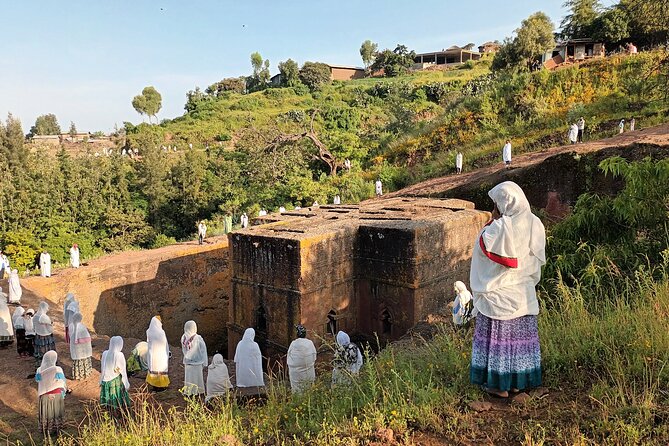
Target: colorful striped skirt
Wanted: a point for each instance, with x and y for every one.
(81, 368)
(43, 344)
(51, 412)
(113, 393)
(506, 354)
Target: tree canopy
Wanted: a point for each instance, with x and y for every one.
(367, 52)
(148, 103)
(315, 74)
(290, 73)
(533, 38)
(578, 23)
(45, 125)
(394, 63)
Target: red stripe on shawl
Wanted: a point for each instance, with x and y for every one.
(509, 262)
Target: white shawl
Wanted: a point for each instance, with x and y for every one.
(6, 327)
(49, 376)
(218, 378)
(69, 298)
(80, 338)
(343, 339)
(460, 303)
(41, 321)
(301, 358)
(248, 361)
(142, 351)
(17, 317)
(193, 347)
(28, 322)
(159, 349)
(15, 291)
(112, 362)
(507, 257)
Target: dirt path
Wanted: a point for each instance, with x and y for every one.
(653, 135)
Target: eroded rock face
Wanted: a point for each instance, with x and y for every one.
(119, 294)
(371, 270)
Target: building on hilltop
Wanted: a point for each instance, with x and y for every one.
(573, 51)
(372, 270)
(345, 73)
(490, 47)
(447, 57)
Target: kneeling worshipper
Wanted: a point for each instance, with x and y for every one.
(194, 359)
(30, 332)
(218, 379)
(114, 383)
(248, 361)
(301, 358)
(51, 391)
(506, 267)
(69, 298)
(6, 326)
(347, 360)
(158, 356)
(20, 332)
(463, 306)
(138, 360)
(81, 349)
(15, 291)
(44, 341)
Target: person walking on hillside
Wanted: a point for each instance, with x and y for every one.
(379, 187)
(632, 124)
(581, 128)
(45, 264)
(301, 358)
(505, 269)
(15, 290)
(194, 359)
(201, 231)
(74, 256)
(621, 126)
(506, 153)
(573, 134)
(458, 163)
(244, 220)
(158, 356)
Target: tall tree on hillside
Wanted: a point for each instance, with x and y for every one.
(578, 23)
(534, 37)
(649, 20)
(368, 52)
(315, 74)
(45, 125)
(260, 76)
(611, 26)
(148, 103)
(395, 62)
(73, 130)
(290, 73)
(11, 142)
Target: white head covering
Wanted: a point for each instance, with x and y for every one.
(69, 298)
(218, 378)
(193, 347)
(507, 258)
(6, 327)
(460, 303)
(80, 338)
(142, 349)
(159, 349)
(14, 283)
(112, 362)
(343, 339)
(41, 321)
(248, 361)
(300, 360)
(17, 317)
(49, 376)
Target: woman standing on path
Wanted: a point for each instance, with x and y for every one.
(195, 360)
(158, 356)
(51, 390)
(114, 382)
(43, 331)
(81, 349)
(506, 267)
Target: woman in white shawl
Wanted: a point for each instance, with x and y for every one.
(138, 360)
(506, 267)
(158, 356)
(301, 358)
(15, 291)
(6, 326)
(81, 350)
(45, 264)
(194, 359)
(51, 391)
(68, 312)
(44, 341)
(248, 361)
(218, 379)
(463, 306)
(347, 359)
(30, 332)
(573, 134)
(20, 331)
(114, 382)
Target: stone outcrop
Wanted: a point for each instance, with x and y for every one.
(371, 270)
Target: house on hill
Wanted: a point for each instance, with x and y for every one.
(490, 47)
(572, 51)
(345, 73)
(452, 56)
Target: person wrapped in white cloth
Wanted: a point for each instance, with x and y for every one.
(463, 306)
(194, 359)
(158, 355)
(218, 379)
(347, 360)
(15, 291)
(248, 361)
(301, 358)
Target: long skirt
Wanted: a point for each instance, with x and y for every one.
(82, 368)
(21, 342)
(51, 411)
(113, 394)
(193, 381)
(42, 345)
(159, 380)
(134, 364)
(506, 354)
(30, 345)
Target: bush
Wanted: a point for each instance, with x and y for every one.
(315, 75)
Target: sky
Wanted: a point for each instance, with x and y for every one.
(84, 60)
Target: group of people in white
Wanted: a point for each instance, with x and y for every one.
(45, 260)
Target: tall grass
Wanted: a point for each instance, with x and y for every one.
(605, 364)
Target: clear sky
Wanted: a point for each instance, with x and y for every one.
(84, 60)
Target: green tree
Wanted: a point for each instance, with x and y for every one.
(395, 62)
(315, 74)
(231, 84)
(533, 38)
(45, 125)
(611, 27)
(73, 130)
(261, 75)
(367, 52)
(578, 23)
(290, 73)
(11, 142)
(148, 103)
(507, 56)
